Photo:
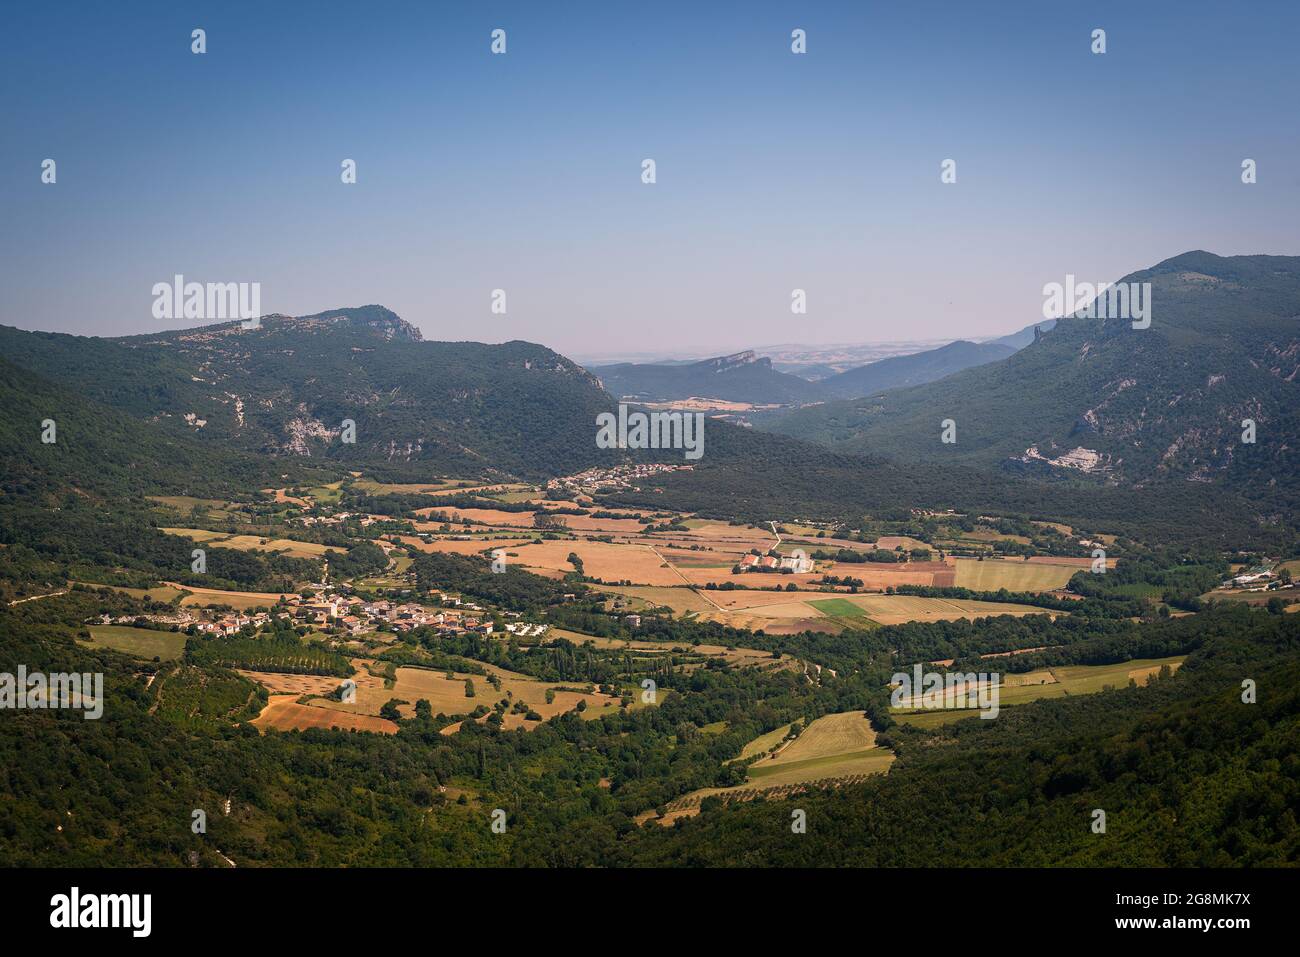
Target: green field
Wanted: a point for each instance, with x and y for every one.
(326, 494)
(838, 608)
(139, 642)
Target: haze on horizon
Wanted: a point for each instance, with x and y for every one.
(523, 171)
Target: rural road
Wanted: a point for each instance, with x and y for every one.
(52, 594)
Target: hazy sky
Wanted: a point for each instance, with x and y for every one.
(523, 171)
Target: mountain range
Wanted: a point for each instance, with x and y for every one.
(741, 377)
(1091, 405)
(750, 378)
(286, 389)
(916, 369)
(1097, 397)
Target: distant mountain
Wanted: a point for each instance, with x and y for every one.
(813, 373)
(915, 369)
(741, 377)
(1132, 406)
(1018, 340)
(795, 377)
(286, 388)
(822, 361)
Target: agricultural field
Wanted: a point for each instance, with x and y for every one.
(448, 695)
(891, 543)
(835, 607)
(295, 549)
(635, 563)
(195, 534)
(833, 746)
(473, 547)
(1086, 679)
(897, 609)
(833, 738)
(877, 577)
(282, 497)
(254, 543)
(1052, 682)
(138, 642)
(656, 565)
(782, 612)
(763, 743)
(283, 713)
(186, 503)
(372, 487)
(164, 593)
(683, 601)
(279, 683)
(329, 494)
(484, 516)
(986, 535)
(484, 490)
(739, 657)
(241, 600)
(1014, 575)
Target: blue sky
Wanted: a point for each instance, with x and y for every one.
(522, 171)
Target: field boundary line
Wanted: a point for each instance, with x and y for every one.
(686, 581)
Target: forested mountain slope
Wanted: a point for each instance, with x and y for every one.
(1134, 406)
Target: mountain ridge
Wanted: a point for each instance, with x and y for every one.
(915, 369)
(1165, 402)
(287, 387)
